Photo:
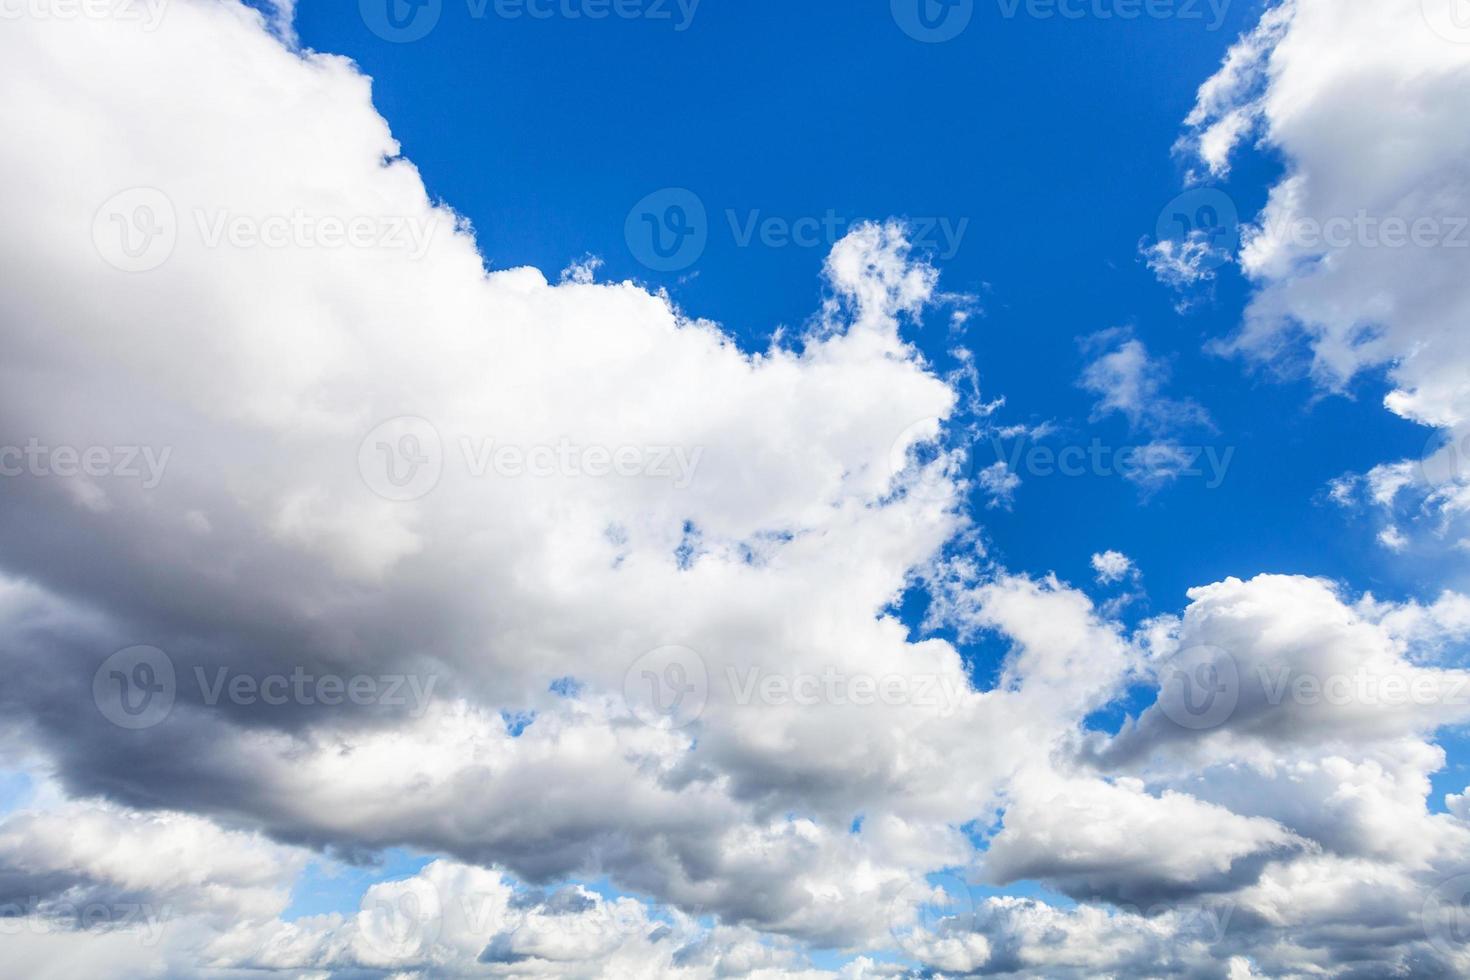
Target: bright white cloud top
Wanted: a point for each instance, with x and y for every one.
(667, 656)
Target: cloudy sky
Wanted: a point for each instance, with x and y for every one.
(685, 488)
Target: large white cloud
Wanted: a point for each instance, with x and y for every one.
(1359, 256)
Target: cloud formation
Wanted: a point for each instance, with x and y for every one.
(558, 584)
(1358, 257)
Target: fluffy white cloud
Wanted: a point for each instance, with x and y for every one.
(1359, 255)
(1112, 566)
(1283, 660)
(176, 863)
(1129, 381)
(285, 534)
(1112, 840)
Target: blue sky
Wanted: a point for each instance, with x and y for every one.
(867, 275)
(1047, 141)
